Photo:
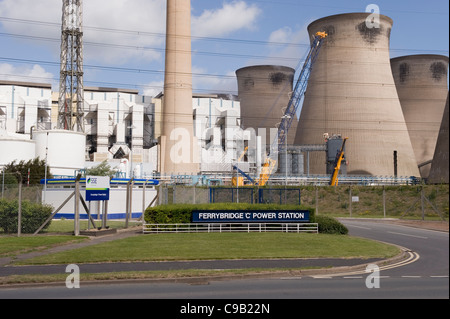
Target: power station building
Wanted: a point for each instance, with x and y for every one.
(390, 111)
(121, 127)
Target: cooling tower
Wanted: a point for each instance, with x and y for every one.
(439, 167)
(351, 92)
(421, 82)
(264, 93)
(177, 144)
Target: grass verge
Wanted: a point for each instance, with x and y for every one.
(201, 246)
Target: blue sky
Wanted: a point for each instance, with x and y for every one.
(124, 40)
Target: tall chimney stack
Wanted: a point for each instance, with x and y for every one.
(178, 146)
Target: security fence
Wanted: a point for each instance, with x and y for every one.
(402, 201)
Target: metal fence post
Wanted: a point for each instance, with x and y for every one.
(19, 217)
(77, 207)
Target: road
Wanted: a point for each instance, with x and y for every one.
(424, 275)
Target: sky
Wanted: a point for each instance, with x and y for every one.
(124, 41)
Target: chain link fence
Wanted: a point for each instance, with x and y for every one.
(30, 193)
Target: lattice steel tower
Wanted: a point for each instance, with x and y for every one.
(70, 103)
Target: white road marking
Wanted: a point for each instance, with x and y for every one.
(390, 232)
(359, 227)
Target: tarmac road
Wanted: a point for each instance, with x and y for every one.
(423, 274)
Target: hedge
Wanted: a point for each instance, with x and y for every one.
(181, 214)
(329, 225)
(33, 216)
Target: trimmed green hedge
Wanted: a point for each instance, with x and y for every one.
(33, 216)
(329, 225)
(181, 214)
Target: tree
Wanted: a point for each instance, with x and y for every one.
(35, 167)
(102, 169)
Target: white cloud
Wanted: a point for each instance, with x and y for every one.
(153, 88)
(287, 46)
(231, 17)
(34, 73)
(213, 83)
(144, 19)
(132, 30)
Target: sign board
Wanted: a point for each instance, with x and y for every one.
(355, 199)
(97, 188)
(250, 216)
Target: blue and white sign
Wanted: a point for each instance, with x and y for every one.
(249, 216)
(97, 188)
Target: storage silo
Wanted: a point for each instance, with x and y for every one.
(15, 147)
(264, 93)
(439, 172)
(65, 150)
(351, 92)
(421, 82)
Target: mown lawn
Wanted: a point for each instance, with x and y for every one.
(203, 246)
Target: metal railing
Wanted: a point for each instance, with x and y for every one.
(222, 228)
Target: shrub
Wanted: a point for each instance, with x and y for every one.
(33, 216)
(181, 213)
(329, 225)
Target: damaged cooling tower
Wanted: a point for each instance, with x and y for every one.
(421, 82)
(264, 93)
(351, 92)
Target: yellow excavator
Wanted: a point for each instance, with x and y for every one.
(337, 164)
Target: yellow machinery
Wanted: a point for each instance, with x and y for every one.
(337, 164)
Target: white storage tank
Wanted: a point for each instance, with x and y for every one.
(15, 149)
(65, 150)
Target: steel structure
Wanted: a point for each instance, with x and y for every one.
(278, 143)
(70, 103)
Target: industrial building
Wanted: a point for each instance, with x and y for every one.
(25, 106)
(121, 127)
(355, 91)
